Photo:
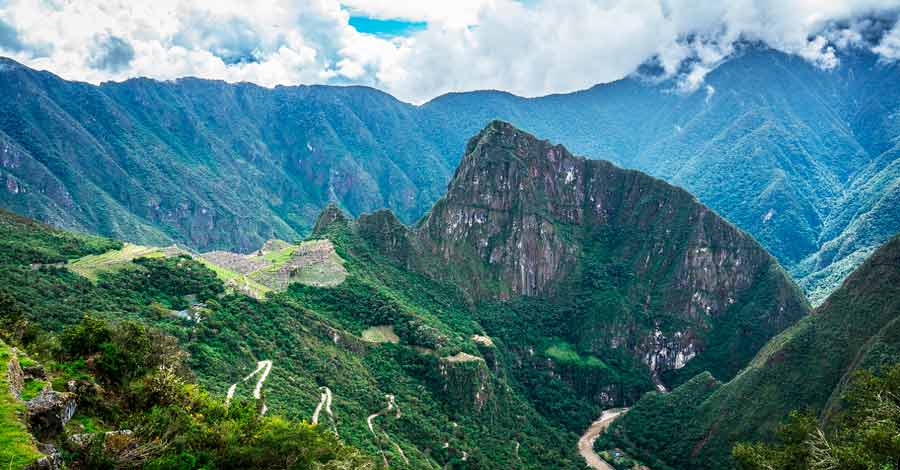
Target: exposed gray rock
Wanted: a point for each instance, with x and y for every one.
(524, 217)
(49, 412)
(84, 440)
(34, 372)
(15, 376)
(52, 459)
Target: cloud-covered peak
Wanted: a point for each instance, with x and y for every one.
(530, 48)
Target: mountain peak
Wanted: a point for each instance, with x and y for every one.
(332, 217)
(504, 135)
(7, 63)
(525, 217)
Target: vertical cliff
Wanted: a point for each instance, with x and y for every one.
(642, 264)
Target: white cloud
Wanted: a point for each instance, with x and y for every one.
(529, 48)
(443, 13)
(272, 42)
(889, 47)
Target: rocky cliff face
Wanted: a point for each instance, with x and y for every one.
(504, 219)
(807, 367)
(660, 274)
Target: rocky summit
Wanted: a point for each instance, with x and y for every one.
(643, 266)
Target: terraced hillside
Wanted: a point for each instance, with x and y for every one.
(432, 355)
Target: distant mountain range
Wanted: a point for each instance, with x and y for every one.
(804, 159)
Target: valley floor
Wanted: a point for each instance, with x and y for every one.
(586, 442)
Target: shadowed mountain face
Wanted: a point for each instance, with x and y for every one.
(639, 265)
(803, 159)
(207, 164)
(807, 367)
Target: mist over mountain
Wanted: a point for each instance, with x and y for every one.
(430, 235)
(802, 158)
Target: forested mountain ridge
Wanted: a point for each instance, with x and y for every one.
(806, 369)
(207, 164)
(802, 158)
(418, 368)
(642, 265)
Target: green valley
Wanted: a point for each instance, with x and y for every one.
(489, 335)
(811, 376)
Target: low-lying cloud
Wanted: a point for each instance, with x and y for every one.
(530, 48)
(110, 53)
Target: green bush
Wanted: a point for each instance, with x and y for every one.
(865, 437)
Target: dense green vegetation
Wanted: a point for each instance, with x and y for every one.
(803, 159)
(808, 368)
(475, 378)
(311, 335)
(133, 377)
(661, 428)
(516, 400)
(623, 266)
(865, 436)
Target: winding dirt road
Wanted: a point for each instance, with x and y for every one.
(326, 402)
(391, 406)
(264, 367)
(586, 443)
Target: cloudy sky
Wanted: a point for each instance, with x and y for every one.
(418, 49)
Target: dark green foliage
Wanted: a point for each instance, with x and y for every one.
(662, 428)
(85, 338)
(175, 424)
(793, 452)
(296, 329)
(12, 319)
(866, 436)
(807, 367)
(25, 241)
(167, 280)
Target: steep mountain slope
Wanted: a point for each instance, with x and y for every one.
(452, 398)
(636, 264)
(207, 164)
(799, 157)
(447, 344)
(770, 142)
(804, 368)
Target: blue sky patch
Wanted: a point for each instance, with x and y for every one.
(386, 28)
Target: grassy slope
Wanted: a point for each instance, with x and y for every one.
(16, 446)
(297, 330)
(231, 278)
(90, 266)
(805, 367)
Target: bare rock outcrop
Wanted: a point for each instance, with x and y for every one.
(524, 217)
(49, 412)
(15, 376)
(466, 381)
(52, 459)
